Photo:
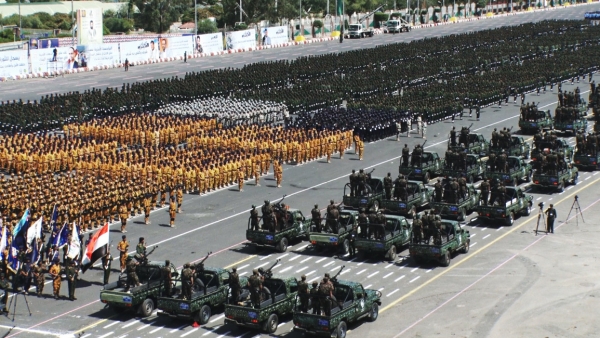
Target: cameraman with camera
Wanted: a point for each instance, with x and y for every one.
(551, 216)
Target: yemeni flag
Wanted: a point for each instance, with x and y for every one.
(96, 248)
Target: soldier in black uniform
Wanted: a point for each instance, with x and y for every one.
(254, 218)
(353, 183)
(363, 221)
(316, 218)
(387, 185)
(402, 185)
(438, 190)
(303, 294)
(417, 229)
(453, 137)
(352, 240)
(485, 191)
(405, 154)
(234, 285)
(314, 299)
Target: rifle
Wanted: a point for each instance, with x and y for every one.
(469, 127)
(267, 273)
(334, 278)
(423, 145)
(369, 173)
(144, 259)
(281, 200)
(204, 259)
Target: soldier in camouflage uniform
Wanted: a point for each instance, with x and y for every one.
(235, 286)
(255, 285)
(167, 279)
(303, 294)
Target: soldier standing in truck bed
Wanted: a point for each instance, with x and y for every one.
(485, 191)
(316, 217)
(387, 184)
(314, 299)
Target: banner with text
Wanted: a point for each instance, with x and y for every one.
(89, 26)
(274, 35)
(209, 43)
(241, 39)
(98, 55)
(138, 51)
(13, 63)
(175, 46)
(42, 60)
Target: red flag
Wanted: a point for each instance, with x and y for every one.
(96, 249)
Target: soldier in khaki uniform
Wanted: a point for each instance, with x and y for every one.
(123, 246)
(123, 215)
(172, 211)
(55, 273)
(179, 195)
(147, 207)
(240, 177)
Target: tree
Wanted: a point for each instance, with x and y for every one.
(158, 15)
(206, 26)
(118, 25)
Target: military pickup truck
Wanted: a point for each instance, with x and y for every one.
(295, 227)
(354, 303)
(203, 302)
(518, 171)
(538, 119)
(143, 298)
(370, 198)
(476, 167)
(477, 145)
(571, 126)
(517, 147)
(419, 196)
(557, 180)
(430, 166)
(340, 240)
(587, 160)
(450, 209)
(383, 239)
(560, 145)
(516, 203)
(277, 302)
(453, 239)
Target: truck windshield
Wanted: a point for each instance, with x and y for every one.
(392, 23)
(354, 28)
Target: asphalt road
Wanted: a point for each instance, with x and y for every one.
(32, 89)
(511, 283)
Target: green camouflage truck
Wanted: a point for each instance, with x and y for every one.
(430, 166)
(276, 303)
(560, 145)
(383, 239)
(453, 239)
(143, 298)
(296, 228)
(340, 240)
(354, 303)
(518, 171)
(370, 200)
(517, 147)
(516, 203)
(419, 196)
(476, 167)
(458, 211)
(587, 160)
(477, 145)
(557, 180)
(539, 119)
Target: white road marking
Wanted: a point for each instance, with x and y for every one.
(415, 269)
(302, 247)
(473, 235)
(361, 271)
(267, 256)
(361, 263)
(414, 279)
(242, 267)
(500, 228)
(106, 335)
(472, 245)
(157, 329)
(260, 266)
(380, 289)
(217, 318)
(179, 328)
(307, 259)
(484, 229)
(294, 258)
(337, 267)
(87, 335)
(310, 273)
(373, 274)
(428, 271)
(322, 259)
(189, 333)
(539, 198)
(280, 257)
(389, 274)
(109, 325)
(304, 268)
(587, 178)
(391, 293)
(389, 266)
(345, 271)
(486, 236)
(286, 269)
(368, 286)
(328, 264)
(132, 323)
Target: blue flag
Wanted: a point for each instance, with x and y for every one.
(34, 256)
(22, 223)
(61, 237)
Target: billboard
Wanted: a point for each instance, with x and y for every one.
(42, 60)
(13, 63)
(138, 51)
(274, 35)
(175, 46)
(48, 43)
(89, 26)
(98, 55)
(209, 43)
(240, 39)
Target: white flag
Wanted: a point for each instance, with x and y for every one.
(34, 232)
(3, 241)
(75, 244)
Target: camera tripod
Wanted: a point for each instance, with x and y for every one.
(577, 211)
(16, 294)
(541, 216)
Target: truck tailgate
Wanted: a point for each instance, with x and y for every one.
(116, 297)
(261, 237)
(311, 323)
(369, 244)
(545, 180)
(242, 314)
(317, 238)
(174, 305)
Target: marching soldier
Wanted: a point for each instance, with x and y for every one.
(147, 208)
(234, 285)
(106, 263)
(179, 195)
(240, 179)
(123, 214)
(123, 246)
(172, 212)
(278, 170)
(303, 294)
(55, 273)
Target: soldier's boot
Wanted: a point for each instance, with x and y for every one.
(146, 220)
(123, 229)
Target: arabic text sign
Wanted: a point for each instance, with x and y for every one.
(209, 43)
(241, 39)
(13, 63)
(41, 59)
(99, 55)
(274, 35)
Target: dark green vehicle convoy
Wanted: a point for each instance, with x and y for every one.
(532, 119)
(516, 171)
(367, 194)
(352, 303)
(418, 196)
(428, 167)
(506, 208)
(458, 207)
(383, 235)
(447, 241)
(339, 239)
(473, 170)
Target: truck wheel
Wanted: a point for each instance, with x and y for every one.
(528, 177)
(527, 210)
(445, 259)
(346, 246)
(391, 254)
(561, 187)
(282, 245)
(362, 35)
(340, 331)
(510, 219)
(465, 249)
(147, 307)
(374, 313)
(575, 179)
(203, 315)
(271, 323)
(426, 178)
(462, 216)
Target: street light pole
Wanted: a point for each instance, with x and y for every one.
(195, 18)
(20, 24)
(240, 10)
(74, 24)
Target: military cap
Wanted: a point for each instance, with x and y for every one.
(253, 206)
(167, 262)
(315, 283)
(331, 201)
(234, 269)
(316, 206)
(327, 275)
(255, 272)
(141, 239)
(123, 237)
(303, 277)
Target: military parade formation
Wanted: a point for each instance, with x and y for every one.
(81, 161)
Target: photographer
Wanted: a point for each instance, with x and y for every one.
(551, 216)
